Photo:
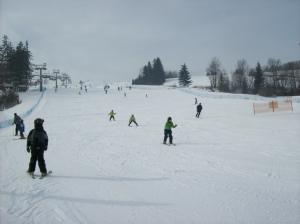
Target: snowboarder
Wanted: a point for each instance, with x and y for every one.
(199, 109)
(22, 129)
(37, 143)
(132, 119)
(168, 131)
(112, 115)
(17, 122)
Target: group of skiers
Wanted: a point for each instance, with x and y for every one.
(37, 140)
(131, 119)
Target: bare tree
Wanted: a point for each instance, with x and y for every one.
(240, 76)
(213, 70)
(273, 66)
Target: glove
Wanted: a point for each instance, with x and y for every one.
(28, 149)
(175, 125)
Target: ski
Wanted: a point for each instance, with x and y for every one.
(48, 173)
(31, 175)
(168, 144)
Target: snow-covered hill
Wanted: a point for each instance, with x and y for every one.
(228, 166)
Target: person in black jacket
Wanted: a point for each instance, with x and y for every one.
(37, 143)
(199, 109)
(17, 122)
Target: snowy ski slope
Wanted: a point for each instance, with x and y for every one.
(229, 166)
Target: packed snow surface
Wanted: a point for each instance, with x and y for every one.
(228, 166)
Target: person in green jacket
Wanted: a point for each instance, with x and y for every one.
(168, 130)
(132, 119)
(112, 115)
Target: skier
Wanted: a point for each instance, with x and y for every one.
(22, 129)
(37, 143)
(132, 119)
(199, 109)
(168, 131)
(112, 115)
(17, 122)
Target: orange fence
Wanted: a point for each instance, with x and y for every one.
(273, 106)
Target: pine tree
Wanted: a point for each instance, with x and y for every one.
(6, 52)
(258, 78)
(158, 72)
(184, 76)
(151, 74)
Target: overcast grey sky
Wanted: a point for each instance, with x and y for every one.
(110, 40)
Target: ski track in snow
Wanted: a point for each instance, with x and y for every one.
(228, 166)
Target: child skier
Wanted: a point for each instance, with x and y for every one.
(199, 109)
(37, 143)
(132, 119)
(168, 131)
(22, 129)
(112, 115)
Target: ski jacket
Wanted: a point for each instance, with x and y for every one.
(112, 113)
(17, 120)
(37, 139)
(169, 125)
(132, 118)
(199, 108)
(22, 127)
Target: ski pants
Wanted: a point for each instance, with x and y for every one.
(168, 133)
(133, 122)
(37, 155)
(111, 117)
(198, 114)
(17, 129)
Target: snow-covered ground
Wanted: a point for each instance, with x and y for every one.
(228, 166)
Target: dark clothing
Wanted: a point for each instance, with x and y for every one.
(17, 122)
(37, 143)
(168, 133)
(37, 155)
(199, 109)
(133, 122)
(22, 129)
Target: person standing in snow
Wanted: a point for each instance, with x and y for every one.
(17, 122)
(112, 115)
(132, 119)
(168, 131)
(199, 109)
(37, 143)
(22, 129)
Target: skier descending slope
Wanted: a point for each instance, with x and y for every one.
(37, 143)
(168, 131)
(112, 115)
(132, 119)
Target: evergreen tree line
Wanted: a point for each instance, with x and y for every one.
(151, 74)
(154, 74)
(15, 64)
(274, 78)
